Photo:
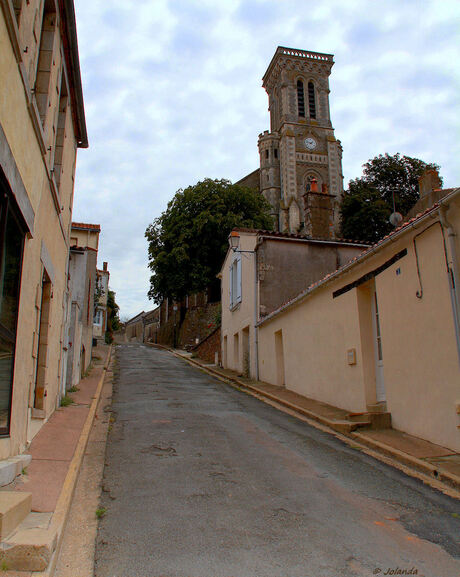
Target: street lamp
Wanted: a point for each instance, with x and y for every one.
(234, 242)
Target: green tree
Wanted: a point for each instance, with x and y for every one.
(113, 320)
(188, 242)
(368, 203)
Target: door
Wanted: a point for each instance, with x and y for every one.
(279, 353)
(378, 353)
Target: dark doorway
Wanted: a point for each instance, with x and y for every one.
(11, 248)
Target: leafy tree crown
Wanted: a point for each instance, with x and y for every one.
(368, 202)
(188, 241)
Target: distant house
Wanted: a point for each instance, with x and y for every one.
(268, 269)
(143, 327)
(134, 328)
(381, 333)
(84, 240)
(42, 123)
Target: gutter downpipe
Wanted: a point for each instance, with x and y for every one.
(453, 272)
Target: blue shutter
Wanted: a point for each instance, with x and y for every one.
(238, 279)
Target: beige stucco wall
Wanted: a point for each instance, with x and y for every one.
(316, 337)
(242, 316)
(86, 238)
(421, 366)
(420, 360)
(47, 248)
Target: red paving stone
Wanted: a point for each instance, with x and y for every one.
(56, 441)
(53, 448)
(44, 480)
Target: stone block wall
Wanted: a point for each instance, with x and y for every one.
(208, 347)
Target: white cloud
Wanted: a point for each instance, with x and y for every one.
(173, 94)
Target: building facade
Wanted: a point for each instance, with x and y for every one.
(84, 239)
(267, 270)
(382, 333)
(42, 124)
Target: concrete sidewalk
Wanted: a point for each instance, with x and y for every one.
(57, 452)
(433, 464)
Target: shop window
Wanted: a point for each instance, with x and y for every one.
(11, 248)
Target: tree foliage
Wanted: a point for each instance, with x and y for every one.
(113, 320)
(188, 242)
(368, 203)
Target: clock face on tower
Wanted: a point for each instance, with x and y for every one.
(310, 143)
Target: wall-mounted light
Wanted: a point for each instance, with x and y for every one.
(234, 240)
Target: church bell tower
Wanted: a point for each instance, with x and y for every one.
(300, 158)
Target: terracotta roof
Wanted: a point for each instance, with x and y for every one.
(85, 226)
(362, 256)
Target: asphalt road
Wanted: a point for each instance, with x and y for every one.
(202, 480)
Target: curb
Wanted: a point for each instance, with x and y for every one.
(436, 477)
(61, 512)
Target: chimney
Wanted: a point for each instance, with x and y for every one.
(104, 266)
(428, 182)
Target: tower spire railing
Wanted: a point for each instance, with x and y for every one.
(304, 54)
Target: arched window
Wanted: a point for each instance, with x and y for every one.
(311, 100)
(300, 98)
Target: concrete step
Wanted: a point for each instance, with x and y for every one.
(14, 508)
(12, 467)
(380, 407)
(377, 420)
(31, 546)
(347, 426)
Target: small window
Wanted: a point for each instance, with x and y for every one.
(300, 99)
(235, 282)
(275, 153)
(311, 100)
(266, 153)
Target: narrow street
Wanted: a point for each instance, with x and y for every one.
(202, 480)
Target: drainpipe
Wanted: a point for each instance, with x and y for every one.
(454, 281)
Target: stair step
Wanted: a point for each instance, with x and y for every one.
(377, 420)
(14, 508)
(347, 426)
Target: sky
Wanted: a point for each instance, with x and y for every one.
(173, 94)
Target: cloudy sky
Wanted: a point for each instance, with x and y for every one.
(173, 94)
